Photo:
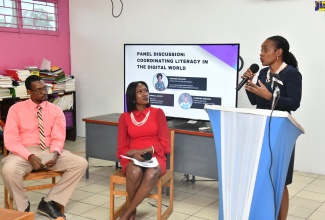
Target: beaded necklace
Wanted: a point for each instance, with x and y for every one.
(135, 122)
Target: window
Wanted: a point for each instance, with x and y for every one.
(8, 14)
(29, 16)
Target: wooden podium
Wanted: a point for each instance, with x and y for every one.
(253, 154)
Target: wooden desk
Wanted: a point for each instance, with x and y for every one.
(195, 152)
(7, 214)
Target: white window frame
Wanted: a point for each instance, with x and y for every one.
(22, 28)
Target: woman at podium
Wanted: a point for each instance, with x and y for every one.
(278, 87)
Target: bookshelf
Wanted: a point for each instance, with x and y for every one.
(68, 106)
(67, 102)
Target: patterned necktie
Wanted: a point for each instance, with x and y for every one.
(40, 127)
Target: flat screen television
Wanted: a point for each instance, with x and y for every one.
(182, 78)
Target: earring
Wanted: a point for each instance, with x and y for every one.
(133, 101)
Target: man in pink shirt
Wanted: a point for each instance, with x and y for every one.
(35, 145)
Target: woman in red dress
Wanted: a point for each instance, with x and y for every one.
(141, 129)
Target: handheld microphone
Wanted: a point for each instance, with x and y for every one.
(254, 68)
(147, 156)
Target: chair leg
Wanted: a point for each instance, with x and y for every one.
(111, 200)
(171, 196)
(11, 203)
(159, 202)
(6, 198)
(115, 214)
(170, 208)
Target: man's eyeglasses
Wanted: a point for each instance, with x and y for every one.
(40, 90)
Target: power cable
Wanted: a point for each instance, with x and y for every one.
(116, 16)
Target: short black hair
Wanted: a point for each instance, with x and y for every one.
(30, 80)
(159, 74)
(130, 95)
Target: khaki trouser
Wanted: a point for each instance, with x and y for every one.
(14, 168)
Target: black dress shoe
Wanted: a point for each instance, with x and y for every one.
(28, 207)
(50, 209)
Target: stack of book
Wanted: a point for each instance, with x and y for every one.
(51, 76)
(49, 88)
(65, 85)
(64, 102)
(5, 82)
(58, 87)
(33, 70)
(5, 93)
(55, 79)
(5, 85)
(70, 85)
(20, 91)
(18, 74)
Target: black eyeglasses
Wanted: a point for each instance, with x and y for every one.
(40, 90)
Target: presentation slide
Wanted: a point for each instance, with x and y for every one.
(183, 78)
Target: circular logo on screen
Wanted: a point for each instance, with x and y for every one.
(160, 81)
(185, 101)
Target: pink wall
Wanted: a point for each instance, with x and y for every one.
(20, 50)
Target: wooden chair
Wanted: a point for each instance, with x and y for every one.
(34, 175)
(166, 180)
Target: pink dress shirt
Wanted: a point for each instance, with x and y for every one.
(21, 128)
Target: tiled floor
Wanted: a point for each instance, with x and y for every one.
(192, 201)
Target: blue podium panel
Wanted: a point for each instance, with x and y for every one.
(253, 154)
